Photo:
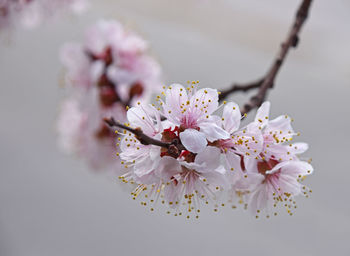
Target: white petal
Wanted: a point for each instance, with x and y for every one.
(278, 151)
(296, 168)
(207, 98)
(168, 167)
(175, 97)
(251, 164)
(258, 199)
(193, 140)
(217, 177)
(233, 161)
(213, 132)
(262, 115)
(144, 117)
(281, 126)
(121, 77)
(231, 117)
(233, 167)
(209, 158)
(253, 140)
(96, 70)
(278, 167)
(299, 148)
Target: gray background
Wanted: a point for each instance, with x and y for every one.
(51, 204)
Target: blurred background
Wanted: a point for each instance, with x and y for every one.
(52, 204)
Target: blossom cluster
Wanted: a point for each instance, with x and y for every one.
(210, 157)
(29, 13)
(106, 73)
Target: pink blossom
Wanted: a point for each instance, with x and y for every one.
(246, 141)
(143, 159)
(276, 134)
(30, 13)
(193, 113)
(82, 132)
(109, 71)
(112, 55)
(253, 178)
(188, 178)
(276, 183)
(209, 156)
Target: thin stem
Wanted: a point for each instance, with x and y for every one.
(240, 87)
(143, 138)
(291, 41)
(267, 81)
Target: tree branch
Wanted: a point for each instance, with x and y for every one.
(267, 81)
(143, 138)
(240, 87)
(291, 41)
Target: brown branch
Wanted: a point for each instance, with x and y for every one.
(291, 41)
(240, 87)
(268, 80)
(143, 138)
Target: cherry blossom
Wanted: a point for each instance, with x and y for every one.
(106, 74)
(30, 13)
(82, 133)
(144, 159)
(276, 183)
(276, 133)
(254, 178)
(192, 113)
(183, 176)
(199, 157)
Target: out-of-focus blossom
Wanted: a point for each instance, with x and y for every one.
(214, 157)
(30, 13)
(108, 72)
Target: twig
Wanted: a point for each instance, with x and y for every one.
(268, 80)
(291, 41)
(240, 87)
(143, 138)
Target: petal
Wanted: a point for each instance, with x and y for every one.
(297, 168)
(175, 98)
(172, 194)
(217, 177)
(213, 132)
(209, 158)
(233, 167)
(145, 117)
(281, 128)
(278, 167)
(121, 76)
(278, 152)
(96, 70)
(103, 34)
(290, 185)
(193, 140)
(205, 161)
(249, 141)
(251, 165)
(262, 115)
(299, 148)
(168, 167)
(233, 161)
(206, 99)
(231, 117)
(258, 200)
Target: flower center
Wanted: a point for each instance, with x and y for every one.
(265, 166)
